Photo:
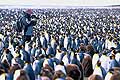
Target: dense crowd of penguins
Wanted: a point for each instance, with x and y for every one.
(67, 44)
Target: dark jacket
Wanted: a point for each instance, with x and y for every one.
(29, 70)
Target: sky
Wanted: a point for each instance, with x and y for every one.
(60, 2)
